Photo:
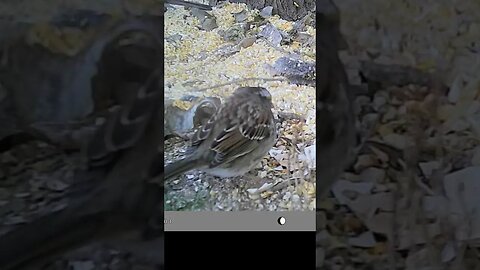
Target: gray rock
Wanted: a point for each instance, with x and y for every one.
(266, 12)
(272, 34)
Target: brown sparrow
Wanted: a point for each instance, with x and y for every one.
(111, 198)
(234, 139)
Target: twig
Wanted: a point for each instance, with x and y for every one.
(282, 184)
(242, 80)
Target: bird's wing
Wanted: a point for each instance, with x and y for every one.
(243, 133)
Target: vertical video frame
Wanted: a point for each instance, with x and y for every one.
(240, 116)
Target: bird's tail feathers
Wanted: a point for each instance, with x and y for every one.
(180, 167)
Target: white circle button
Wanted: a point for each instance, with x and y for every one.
(281, 220)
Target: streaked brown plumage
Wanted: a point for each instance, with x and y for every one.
(235, 139)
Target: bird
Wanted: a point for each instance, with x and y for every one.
(114, 195)
(336, 136)
(234, 139)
